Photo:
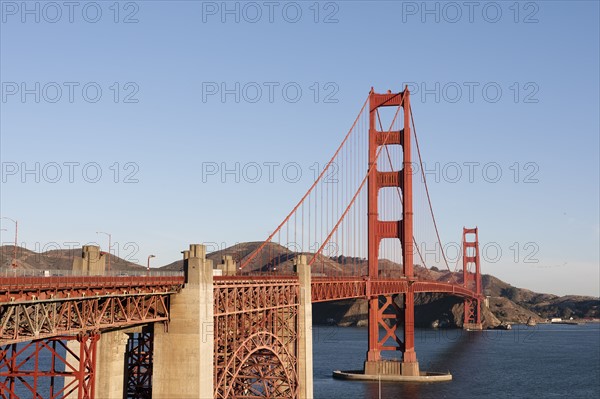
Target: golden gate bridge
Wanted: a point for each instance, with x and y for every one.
(360, 231)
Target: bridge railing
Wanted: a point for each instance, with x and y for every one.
(10, 272)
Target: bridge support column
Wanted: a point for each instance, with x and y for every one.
(305, 345)
(92, 261)
(410, 365)
(227, 266)
(81, 356)
(110, 365)
(184, 349)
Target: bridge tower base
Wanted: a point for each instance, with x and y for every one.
(391, 368)
(473, 326)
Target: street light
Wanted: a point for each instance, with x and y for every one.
(3, 230)
(150, 256)
(109, 244)
(14, 262)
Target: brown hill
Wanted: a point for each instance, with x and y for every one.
(59, 259)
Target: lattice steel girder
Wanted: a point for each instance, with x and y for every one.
(32, 289)
(256, 338)
(26, 321)
(335, 288)
(253, 297)
(329, 290)
(138, 377)
(33, 368)
(344, 288)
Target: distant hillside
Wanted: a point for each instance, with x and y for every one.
(506, 303)
(60, 259)
(275, 256)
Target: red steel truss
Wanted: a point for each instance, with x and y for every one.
(35, 320)
(256, 338)
(43, 307)
(19, 289)
(326, 289)
(333, 289)
(26, 373)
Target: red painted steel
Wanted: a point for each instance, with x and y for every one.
(472, 278)
(21, 322)
(19, 289)
(45, 307)
(23, 375)
(382, 308)
(327, 289)
(256, 338)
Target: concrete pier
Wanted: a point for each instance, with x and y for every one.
(358, 375)
(183, 350)
(227, 266)
(92, 261)
(110, 364)
(473, 326)
(305, 344)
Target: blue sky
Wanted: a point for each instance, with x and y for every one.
(504, 85)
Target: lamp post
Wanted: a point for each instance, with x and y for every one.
(3, 230)
(149, 257)
(14, 262)
(109, 245)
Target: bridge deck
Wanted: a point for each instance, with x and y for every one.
(41, 307)
(35, 289)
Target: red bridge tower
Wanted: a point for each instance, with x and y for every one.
(472, 279)
(384, 312)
